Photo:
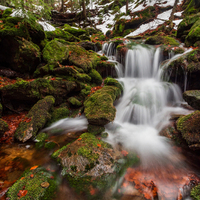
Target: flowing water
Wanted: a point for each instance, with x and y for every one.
(144, 109)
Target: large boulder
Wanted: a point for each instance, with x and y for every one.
(18, 54)
(192, 97)
(22, 94)
(55, 51)
(166, 40)
(35, 120)
(36, 183)
(190, 128)
(99, 109)
(89, 164)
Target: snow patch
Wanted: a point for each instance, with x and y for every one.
(3, 7)
(46, 26)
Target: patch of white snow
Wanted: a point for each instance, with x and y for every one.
(46, 26)
(3, 7)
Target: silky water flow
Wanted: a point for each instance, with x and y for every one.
(143, 111)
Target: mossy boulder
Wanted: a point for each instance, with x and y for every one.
(24, 94)
(74, 102)
(89, 163)
(166, 40)
(96, 77)
(195, 192)
(113, 82)
(81, 58)
(189, 127)
(89, 45)
(192, 97)
(106, 68)
(61, 34)
(189, 64)
(34, 184)
(193, 36)
(75, 31)
(99, 109)
(185, 26)
(20, 55)
(59, 113)
(55, 51)
(3, 127)
(35, 120)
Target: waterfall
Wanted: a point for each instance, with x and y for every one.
(145, 107)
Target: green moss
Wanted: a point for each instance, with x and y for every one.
(74, 31)
(74, 102)
(104, 58)
(83, 77)
(95, 130)
(33, 185)
(99, 108)
(195, 192)
(113, 82)
(156, 40)
(193, 36)
(7, 12)
(57, 153)
(61, 34)
(3, 127)
(50, 145)
(55, 51)
(96, 77)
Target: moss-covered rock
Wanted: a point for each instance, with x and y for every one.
(24, 94)
(89, 163)
(192, 97)
(7, 12)
(96, 77)
(35, 119)
(95, 130)
(185, 26)
(189, 127)
(113, 82)
(195, 192)
(99, 109)
(81, 58)
(3, 127)
(166, 40)
(75, 31)
(194, 35)
(55, 51)
(74, 102)
(88, 45)
(106, 68)
(34, 184)
(61, 34)
(20, 55)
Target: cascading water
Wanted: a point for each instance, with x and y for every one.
(142, 112)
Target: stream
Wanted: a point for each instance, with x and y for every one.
(145, 108)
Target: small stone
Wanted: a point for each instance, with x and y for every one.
(45, 184)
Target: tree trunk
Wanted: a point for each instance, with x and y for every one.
(62, 6)
(126, 6)
(84, 9)
(172, 14)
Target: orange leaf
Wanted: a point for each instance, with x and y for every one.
(34, 167)
(22, 178)
(99, 145)
(124, 153)
(32, 175)
(22, 193)
(79, 139)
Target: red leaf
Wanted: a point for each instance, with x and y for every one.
(22, 193)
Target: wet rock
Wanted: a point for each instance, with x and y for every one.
(18, 54)
(106, 68)
(3, 127)
(95, 77)
(185, 67)
(35, 184)
(189, 127)
(89, 164)
(35, 119)
(88, 45)
(95, 130)
(192, 97)
(99, 109)
(24, 94)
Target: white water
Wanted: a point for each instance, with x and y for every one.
(145, 108)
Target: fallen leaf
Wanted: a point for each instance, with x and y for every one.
(22, 193)
(34, 167)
